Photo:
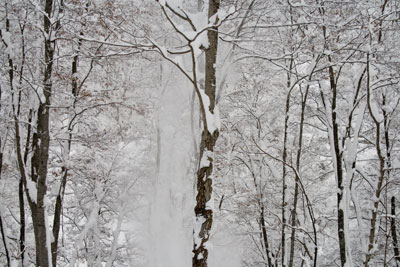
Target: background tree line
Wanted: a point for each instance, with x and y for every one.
(291, 108)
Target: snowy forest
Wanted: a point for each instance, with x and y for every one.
(203, 133)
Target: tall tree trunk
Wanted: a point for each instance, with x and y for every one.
(393, 230)
(22, 220)
(64, 170)
(296, 188)
(379, 151)
(40, 148)
(16, 113)
(203, 210)
(337, 164)
(284, 158)
(339, 170)
(381, 174)
(337, 157)
(21, 190)
(264, 235)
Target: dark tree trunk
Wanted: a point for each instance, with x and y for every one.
(21, 163)
(21, 192)
(203, 212)
(284, 158)
(296, 188)
(265, 236)
(60, 195)
(394, 231)
(40, 148)
(57, 216)
(339, 169)
(337, 159)
(381, 174)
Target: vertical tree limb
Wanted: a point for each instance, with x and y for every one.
(394, 231)
(203, 211)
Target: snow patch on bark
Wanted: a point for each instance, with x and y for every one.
(198, 223)
(212, 120)
(32, 189)
(206, 159)
(49, 233)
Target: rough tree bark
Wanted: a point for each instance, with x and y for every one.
(203, 211)
(40, 148)
(207, 99)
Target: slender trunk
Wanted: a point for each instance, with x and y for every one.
(3, 235)
(284, 187)
(26, 151)
(58, 210)
(293, 222)
(381, 174)
(21, 160)
(22, 220)
(394, 231)
(296, 189)
(57, 217)
(16, 113)
(337, 157)
(265, 236)
(40, 147)
(386, 128)
(203, 211)
(21, 193)
(64, 170)
(284, 158)
(23, 181)
(379, 152)
(339, 170)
